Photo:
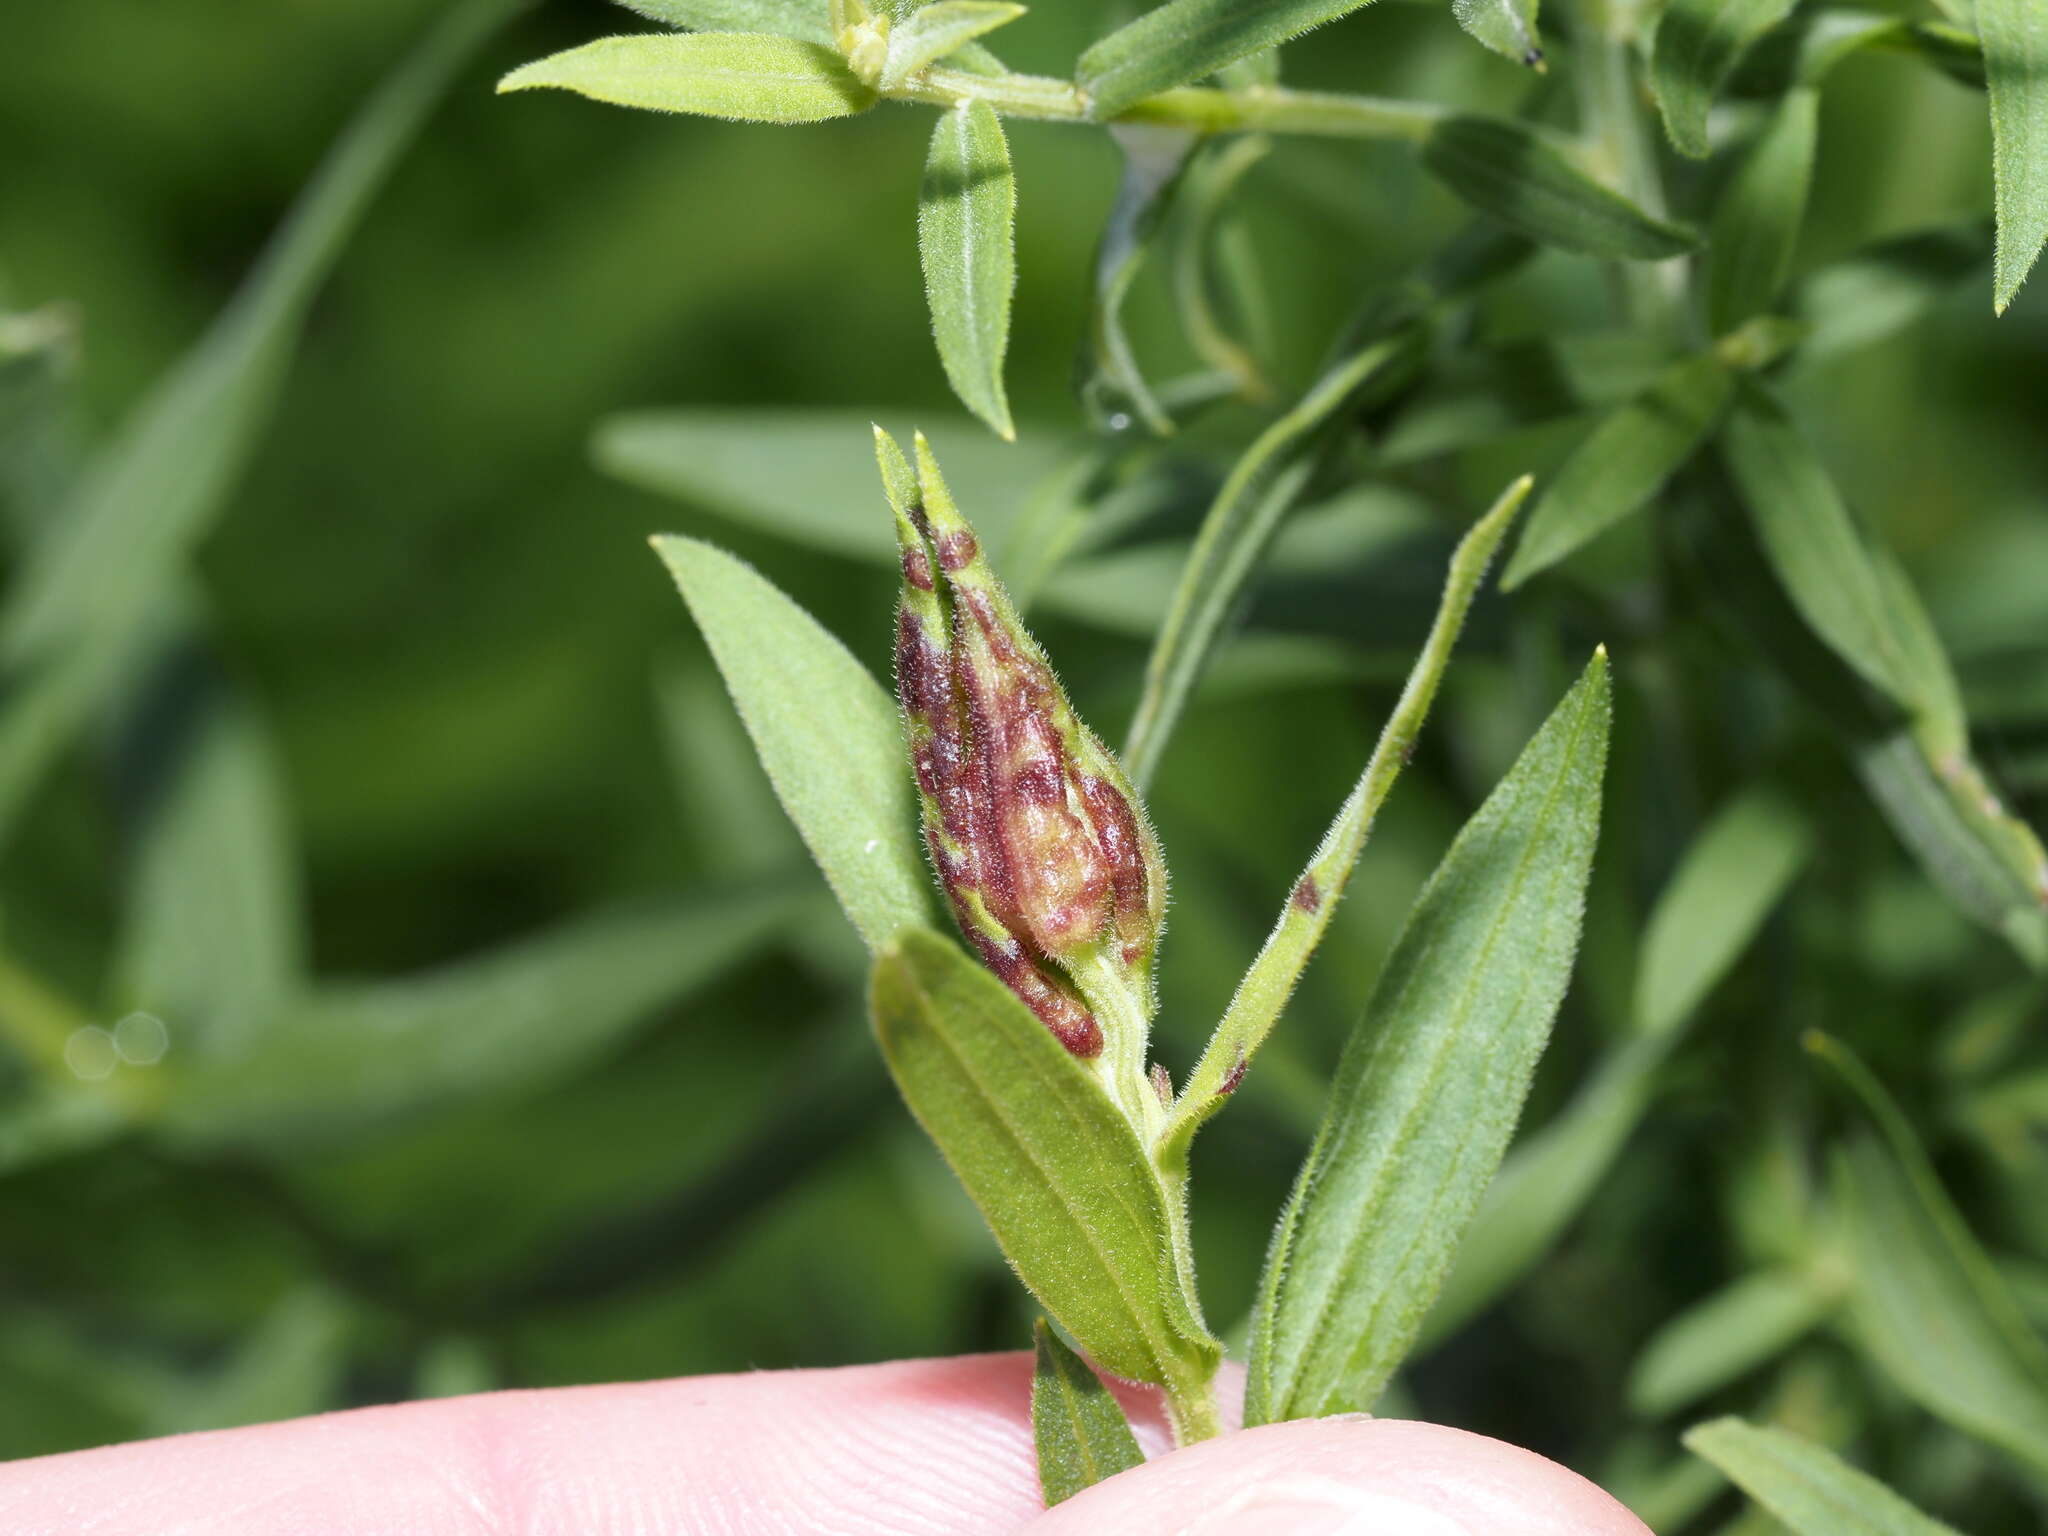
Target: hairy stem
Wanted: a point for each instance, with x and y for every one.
(1256, 109)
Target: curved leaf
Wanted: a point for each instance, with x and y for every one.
(932, 32)
(1757, 222)
(1698, 44)
(1432, 1080)
(966, 239)
(826, 731)
(1184, 40)
(1055, 1168)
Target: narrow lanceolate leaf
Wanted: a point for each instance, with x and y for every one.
(1077, 1425)
(1508, 27)
(1312, 901)
(1432, 1080)
(1806, 1487)
(1235, 533)
(1735, 872)
(748, 76)
(1928, 1304)
(1698, 43)
(1722, 1339)
(966, 237)
(2015, 38)
(1624, 463)
(825, 730)
(1731, 877)
(1757, 222)
(1057, 1171)
(212, 939)
(86, 603)
(1812, 541)
(1184, 40)
(1514, 173)
(931, 33)
(808, 20)
(360, 1055)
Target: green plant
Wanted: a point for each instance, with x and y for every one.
(1033, 1069)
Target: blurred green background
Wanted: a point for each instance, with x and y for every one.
(507, 1038)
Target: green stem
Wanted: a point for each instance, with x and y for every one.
(1305, 917)
(1192, 1413)
(1257, 109)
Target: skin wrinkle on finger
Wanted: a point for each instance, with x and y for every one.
(921, 1448)
(914, 1448)
(1388, 1477)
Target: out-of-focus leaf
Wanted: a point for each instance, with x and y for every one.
(1184, 40)
(1510, 171)
(1236, 532)
(355, 1056)
(37, 349)
(289, 1365)
(1723, 1338)
(1078, 1428)
(2015, 38)
(1927, 1302)
(1154, 161)
(1698, 43)
(1879, 290)
(1432, 1080)
(752, 77)
(932, 32)
(1735, 872)
(1201, 254)
(1732, 875)
(1311, 902)
(1756, 224)
(1055, 1168)
(806, 475)
(825, 730)
(808, 20)
(966, 222)
(74, 619)
(1623, 464)
(723, 791)
(1808, 1487)
(1508, 27)
(212, 946)
(1812, 542)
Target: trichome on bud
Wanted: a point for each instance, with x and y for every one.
(1034, 832)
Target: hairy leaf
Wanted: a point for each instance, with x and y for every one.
(931, 32)
(1807, 1487)
(1514, 173)
(1184, 40)
(2015, 38)
(966, 238)
(1057, 1171)
(1734, 872)
(1508, 27)
(1312, 900)
(808, 20)
(753, 77)
(826, 731)
(1432, 1080)
(1698, 44)
(1078, 1427)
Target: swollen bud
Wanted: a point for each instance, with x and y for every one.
(1035, 833)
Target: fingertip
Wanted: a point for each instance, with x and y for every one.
(1390, 1477)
